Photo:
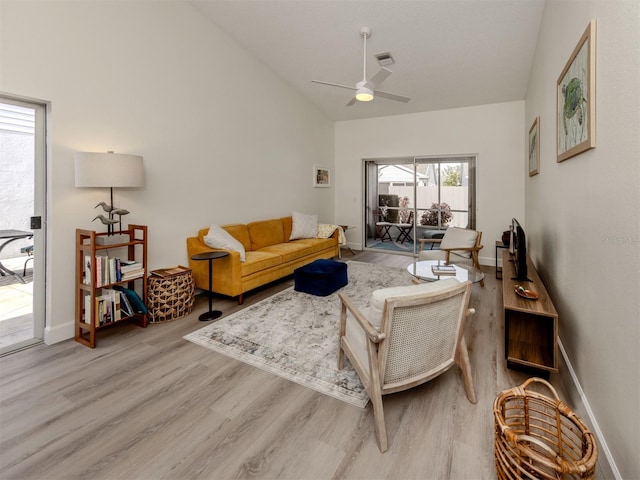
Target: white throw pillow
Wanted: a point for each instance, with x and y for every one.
(218, 237)
(304, 226)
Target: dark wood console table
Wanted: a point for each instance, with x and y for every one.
(530, 326)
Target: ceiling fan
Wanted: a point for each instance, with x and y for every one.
(366, 89)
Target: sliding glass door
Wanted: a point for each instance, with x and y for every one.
(22, 236)
(407, 199)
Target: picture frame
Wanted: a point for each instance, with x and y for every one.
(321, 176)
(576, 99)
(534, 148)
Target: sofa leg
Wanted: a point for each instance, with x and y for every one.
(240, 299)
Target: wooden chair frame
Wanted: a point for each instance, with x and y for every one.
(373, 374)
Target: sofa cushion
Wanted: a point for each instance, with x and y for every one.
(304, 226)
(289, 251)
(239, 232)
(317, 244)
(217, 237)
(265, 233)
(257, 261)
(287, 224)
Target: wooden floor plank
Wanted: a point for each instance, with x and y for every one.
(146, 404)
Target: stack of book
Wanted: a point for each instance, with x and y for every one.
(130, 269)
(443, 270)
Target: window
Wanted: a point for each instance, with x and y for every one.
(440, 191)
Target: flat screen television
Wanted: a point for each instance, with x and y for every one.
(519, 245)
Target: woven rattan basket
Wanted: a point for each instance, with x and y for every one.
(170, 297)
(540, 437)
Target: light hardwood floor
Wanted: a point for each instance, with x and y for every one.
(146, 404)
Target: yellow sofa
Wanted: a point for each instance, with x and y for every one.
(270, 255)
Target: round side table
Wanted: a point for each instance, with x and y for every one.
(210, 256)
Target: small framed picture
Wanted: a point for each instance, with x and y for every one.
(534, 148)
(321, 176)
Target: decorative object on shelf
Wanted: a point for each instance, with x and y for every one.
(506, 237)
(534, 148)
(109, 170)
(439, 214)
(525, 293)
(576, 99)
(321, 176)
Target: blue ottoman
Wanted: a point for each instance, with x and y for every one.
(321, 278)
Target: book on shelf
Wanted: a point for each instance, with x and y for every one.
(443, 269)
(170, 272)
(125, 305)
(137, 305)
(133, 274)
(110, 270)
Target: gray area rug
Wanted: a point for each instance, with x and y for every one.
(295, 335)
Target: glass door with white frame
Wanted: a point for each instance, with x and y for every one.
(22, 203)
(407, 199)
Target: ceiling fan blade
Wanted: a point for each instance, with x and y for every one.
(378, 78)
(334, 84)
(352, 102)
(391, 96)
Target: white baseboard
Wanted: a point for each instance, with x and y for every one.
(603, 448)
(58, 333)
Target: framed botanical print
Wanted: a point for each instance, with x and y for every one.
(576, 99)
(321, 176)
(534, 148)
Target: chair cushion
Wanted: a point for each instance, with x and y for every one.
(378, 297)
(459, 238)
(355, 334)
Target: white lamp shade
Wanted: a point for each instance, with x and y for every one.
(108, 170)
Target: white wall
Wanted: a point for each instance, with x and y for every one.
(583, 217)
(223, 138)
(492, 132)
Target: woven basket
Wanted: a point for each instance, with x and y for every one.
(540, 437)
(170, 298)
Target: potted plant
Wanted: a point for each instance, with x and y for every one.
(430, 217)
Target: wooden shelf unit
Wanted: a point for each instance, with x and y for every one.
(530, 326)
(135, 248)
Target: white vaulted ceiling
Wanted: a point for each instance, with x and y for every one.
(448, 53)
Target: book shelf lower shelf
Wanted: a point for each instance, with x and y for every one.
(85, 333)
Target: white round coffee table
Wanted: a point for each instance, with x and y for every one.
(423, 271)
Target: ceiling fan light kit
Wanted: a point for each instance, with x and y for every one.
(363, 94)
(366, 89)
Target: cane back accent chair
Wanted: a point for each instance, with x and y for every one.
(411, 335)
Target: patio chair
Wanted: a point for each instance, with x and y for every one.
(405, 229)
(381, 227)
(411, 335)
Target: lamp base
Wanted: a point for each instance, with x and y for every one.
(112, 239)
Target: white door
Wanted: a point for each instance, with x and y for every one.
(22, 222)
